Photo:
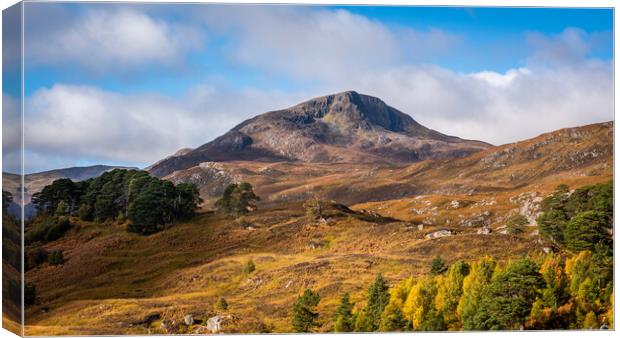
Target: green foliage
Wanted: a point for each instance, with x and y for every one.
(581, 220)
(363, 323)
(507, 300)
(378, 298)
(187, 200)
(62, 190)
(148, 202)
(56, 258)
(85, 212)
(48, 229)
(438, 266)
(392, 319)
(473, 286)
(304, 311)
(62, 209)
(515, 224)
(586, 229)
(249, 267)
(34, 256)
(343, 317)
(221, 304)
(449, 290)
(238, 199)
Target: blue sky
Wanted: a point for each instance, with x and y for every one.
(130, 84)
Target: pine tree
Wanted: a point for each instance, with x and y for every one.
(392, 319)
(378, 298)
(438, 266)
(343, 317)
(304, 311)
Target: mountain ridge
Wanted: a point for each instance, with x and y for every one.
(346, 127)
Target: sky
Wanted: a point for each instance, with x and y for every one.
(128, 84)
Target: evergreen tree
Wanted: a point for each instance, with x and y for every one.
(304, 311)
(378, 298)
(438, 266)
(392, 319)
(507, 301)
(343, 317)
(585, 230)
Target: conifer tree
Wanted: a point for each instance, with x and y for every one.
(343, 317)
(378, 298)
(304, 311)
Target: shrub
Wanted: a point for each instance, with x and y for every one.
(314, 210)
(85, 212)
(35, 256)
(238, 199)
(56, 258)
(249, 267)
(221, 304)
(515, 224)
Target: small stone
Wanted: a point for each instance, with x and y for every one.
(188, 320)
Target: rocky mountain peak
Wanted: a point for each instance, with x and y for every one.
(346, 127)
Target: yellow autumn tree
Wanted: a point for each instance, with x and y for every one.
(479, 276)
(449, 290)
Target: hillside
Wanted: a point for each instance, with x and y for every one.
(346, 127)
(567, 154)
(399, 218)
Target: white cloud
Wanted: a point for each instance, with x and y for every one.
(83, 122)
(100, 39)
(327, 51)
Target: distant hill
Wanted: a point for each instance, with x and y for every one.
(341, 128)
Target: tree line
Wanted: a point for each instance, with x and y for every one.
(149, 203)
(571, 288)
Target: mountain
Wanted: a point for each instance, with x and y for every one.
(342, 128)
(570, 154)
(37, 181)
(398, 218)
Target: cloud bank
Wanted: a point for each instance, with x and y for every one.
(322, 52)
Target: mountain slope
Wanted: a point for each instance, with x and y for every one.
(346, 127)
(567, 154)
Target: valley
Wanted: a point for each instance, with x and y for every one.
(385, 214)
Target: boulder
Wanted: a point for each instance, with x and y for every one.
(214, 324)
(484, 231)
(439, 234)
(188, 320)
